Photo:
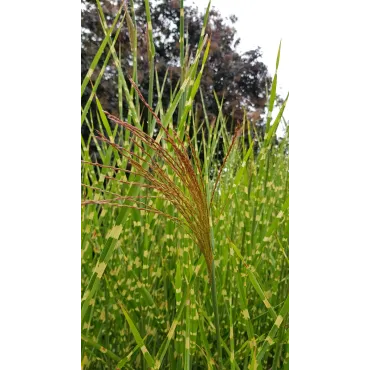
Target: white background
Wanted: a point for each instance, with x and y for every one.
(325, 67)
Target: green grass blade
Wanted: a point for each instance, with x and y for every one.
(139, 340)
(99, 52)
(101, 73)
(101, 348)
(255, 282)
(271, 335)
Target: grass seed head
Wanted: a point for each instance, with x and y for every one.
(166, 167)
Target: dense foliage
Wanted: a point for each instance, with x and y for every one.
(185, 260)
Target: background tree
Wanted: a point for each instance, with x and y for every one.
(241, 79)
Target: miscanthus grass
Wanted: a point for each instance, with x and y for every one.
(184, 259)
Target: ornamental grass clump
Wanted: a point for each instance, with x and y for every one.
(154, 191)
(172, 175)
(166, 168)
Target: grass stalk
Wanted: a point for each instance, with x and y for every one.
(215, 312)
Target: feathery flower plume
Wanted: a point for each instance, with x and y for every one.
(170, 173)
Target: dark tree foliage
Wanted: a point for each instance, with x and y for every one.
(241, 79)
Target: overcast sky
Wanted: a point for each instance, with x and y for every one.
(260, 23)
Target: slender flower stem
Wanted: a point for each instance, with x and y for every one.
(215, 307)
